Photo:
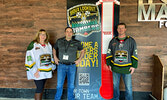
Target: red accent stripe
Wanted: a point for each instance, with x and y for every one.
(106, 89)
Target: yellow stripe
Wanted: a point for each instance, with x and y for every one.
(30, 66)
(135, 57)
(122, 64)
(108, 57)
(46, 69)
(52, 62)
(112, 61)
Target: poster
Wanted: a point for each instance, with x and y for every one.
(85, 17)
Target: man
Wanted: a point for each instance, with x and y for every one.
(66, 49)
(122, 58)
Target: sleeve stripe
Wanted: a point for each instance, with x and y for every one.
(134, 57)
(30, 66)
(52, 62)
(108, 57)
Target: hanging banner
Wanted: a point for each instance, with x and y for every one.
(85, 17)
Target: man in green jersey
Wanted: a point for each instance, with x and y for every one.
(123, 60)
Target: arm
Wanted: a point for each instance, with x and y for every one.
(55, 57)
(131, 70)
(109, 55)
(81, 56)
(134, 57)
(52, 59)
(30, 61)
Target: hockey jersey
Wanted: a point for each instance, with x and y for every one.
(122, 54)
(39, 58)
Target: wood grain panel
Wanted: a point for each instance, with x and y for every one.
(150, 40)
(20, 20)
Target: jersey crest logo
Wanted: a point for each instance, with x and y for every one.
(121, 56)
(45, 60)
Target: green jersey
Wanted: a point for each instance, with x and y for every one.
(122, 54)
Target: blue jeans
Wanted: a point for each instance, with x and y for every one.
(62, 71)
(127, 78)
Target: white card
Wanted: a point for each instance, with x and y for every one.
(65, 57)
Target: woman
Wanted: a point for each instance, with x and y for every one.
(39, 61)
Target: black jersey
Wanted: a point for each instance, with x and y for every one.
(67, 50)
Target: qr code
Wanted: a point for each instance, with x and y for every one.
(84, 79)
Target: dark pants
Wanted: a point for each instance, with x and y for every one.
(40, 85)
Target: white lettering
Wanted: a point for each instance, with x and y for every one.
(148, 12)
(163, 23)
(146, 15)
(161, 14)
(90, 96)
(77, 96)
(166, 24)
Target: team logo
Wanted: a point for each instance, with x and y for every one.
(136, 51)
(37, 48)
(114, 44)
(84, 19)
(109, 51)
(45, 59)
(29, 58)
(121, 56)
